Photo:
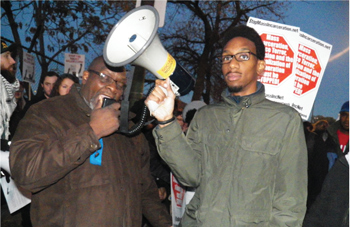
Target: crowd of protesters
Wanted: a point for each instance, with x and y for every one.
(248, 160)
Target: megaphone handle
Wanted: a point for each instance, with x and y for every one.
(152, 105)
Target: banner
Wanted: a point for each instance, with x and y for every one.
(28, 68)
(177, 200)
(180, 197)
(295, 63)
(74, 64)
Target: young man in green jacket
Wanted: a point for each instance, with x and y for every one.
(246, 155)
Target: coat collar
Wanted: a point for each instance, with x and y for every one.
(245, 101)
(82, 104)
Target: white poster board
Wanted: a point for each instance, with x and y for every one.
(312, 60)
(180, 197)
(16, 197)
(281, 50)
(295, 64)
(28, 68)
(177, 201)
(74, 64)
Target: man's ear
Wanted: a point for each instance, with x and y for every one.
(85, 77)
(261, 67)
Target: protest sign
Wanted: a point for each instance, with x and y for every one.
(312, 59)
(16, 197)
(180, 197)
(28, 67)
(295, 64)
(177, 200)
(281, 47)
(74, 64)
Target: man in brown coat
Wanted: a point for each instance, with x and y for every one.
(81, 172)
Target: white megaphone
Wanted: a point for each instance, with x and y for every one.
(134, 40)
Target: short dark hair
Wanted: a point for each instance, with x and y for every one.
(248, 33)
(49, 74)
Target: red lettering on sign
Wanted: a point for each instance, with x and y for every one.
(179, 192)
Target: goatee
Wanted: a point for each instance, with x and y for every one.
(236, 89)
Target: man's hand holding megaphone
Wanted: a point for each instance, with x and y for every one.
(165, 102)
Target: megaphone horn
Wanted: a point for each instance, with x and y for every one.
(134, 40)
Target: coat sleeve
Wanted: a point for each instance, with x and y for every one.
(42, 153)
(289, 201)
(182, 154)
(152, 208)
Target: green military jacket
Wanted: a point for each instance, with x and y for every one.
(247, 160)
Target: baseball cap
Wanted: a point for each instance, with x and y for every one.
(5, 47)
(345, 107)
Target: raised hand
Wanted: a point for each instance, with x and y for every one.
(165, 101)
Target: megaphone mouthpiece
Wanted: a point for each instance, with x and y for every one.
(137, 29)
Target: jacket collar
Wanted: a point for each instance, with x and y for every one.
(245, 101)
(82, 104)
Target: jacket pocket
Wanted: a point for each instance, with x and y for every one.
(88, 175)
(254, 171)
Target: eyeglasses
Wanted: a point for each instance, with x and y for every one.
(243, 56)
(107, 79)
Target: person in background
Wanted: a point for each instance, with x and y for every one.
(47, 82)
(331, 208)
(322, 153)
(328, 144)
(246, 156)
(81, 172)
(339, 131)
(9, 85)
(309, 137)
(320, 128)
(179, 118)
(18, 112)
(63, 84)
(11, 102)
(189, 112)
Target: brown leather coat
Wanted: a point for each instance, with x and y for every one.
(49, 156)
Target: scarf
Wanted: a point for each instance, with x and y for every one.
(7, 104)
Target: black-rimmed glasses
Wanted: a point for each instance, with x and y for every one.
(243, 56)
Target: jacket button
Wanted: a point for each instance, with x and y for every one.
(94, 146)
